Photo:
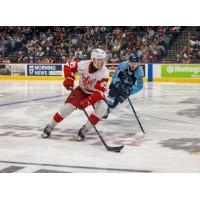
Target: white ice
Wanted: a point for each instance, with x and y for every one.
(169, 113)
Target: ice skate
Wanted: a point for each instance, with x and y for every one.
(106, 114)
(47, 132)
(81, 134)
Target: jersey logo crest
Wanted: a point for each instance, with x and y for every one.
(87, 81)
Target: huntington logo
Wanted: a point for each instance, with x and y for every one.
(181, 71)
(170, 69)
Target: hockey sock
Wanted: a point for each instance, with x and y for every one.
(94, 119)
(65, 110)
(56, 119)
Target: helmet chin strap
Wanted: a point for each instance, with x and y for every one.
(94, 64)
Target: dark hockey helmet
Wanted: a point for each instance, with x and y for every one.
(134, 59)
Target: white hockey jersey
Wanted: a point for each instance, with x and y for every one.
(90, 80)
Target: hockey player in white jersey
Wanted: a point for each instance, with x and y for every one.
(93, 81)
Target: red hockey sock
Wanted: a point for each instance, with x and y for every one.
(94, 119)
(57, 118)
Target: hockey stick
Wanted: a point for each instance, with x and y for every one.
(136, 116)
(109, 148)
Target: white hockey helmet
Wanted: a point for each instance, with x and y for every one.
(98, 54)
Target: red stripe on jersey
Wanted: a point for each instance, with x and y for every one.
(94, 119)
(101, 85)
(58, 118)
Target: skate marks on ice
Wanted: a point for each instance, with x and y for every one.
(191, 113)
(30, 134)
(20, 131)
(189, 145)
(30, 100)
(4, 94)
(117, 138)
(192, 100)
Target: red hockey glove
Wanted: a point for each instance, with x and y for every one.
(84, 103)
(91, 100)
(68, 83)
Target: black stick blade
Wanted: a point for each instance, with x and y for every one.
(115, 149)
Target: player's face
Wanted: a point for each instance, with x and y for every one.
(99, 63)
(133, 66)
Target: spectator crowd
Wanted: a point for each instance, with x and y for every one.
(58, 44)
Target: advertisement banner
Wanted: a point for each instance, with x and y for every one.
(180, 71)
(12, 69)
(44, 70)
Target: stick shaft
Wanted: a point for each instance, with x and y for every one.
(136, 115)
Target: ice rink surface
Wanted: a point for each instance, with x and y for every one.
(169, 113)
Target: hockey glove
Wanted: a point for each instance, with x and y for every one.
(91, 100)
(127, 80)
(69, 82)
(124, 91)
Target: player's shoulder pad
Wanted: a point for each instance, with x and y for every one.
(122, 66)
(139, 72)
(84, 63)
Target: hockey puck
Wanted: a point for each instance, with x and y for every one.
(139, 134)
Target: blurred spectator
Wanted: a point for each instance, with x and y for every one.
(185, 54)
(179, 58)
(151, 56)
(195, 46)
(115, 59)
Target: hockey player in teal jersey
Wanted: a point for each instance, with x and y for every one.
(127, 80)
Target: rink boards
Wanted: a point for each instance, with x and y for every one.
(153, 72)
